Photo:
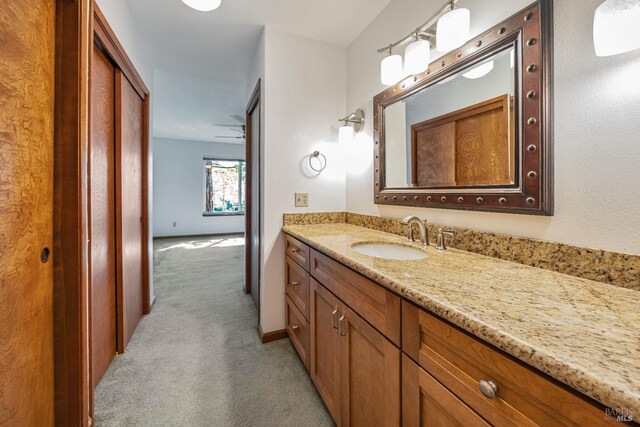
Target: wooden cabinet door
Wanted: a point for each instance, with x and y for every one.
(325, 347)
(370, 374)
(129, 190)
(427, 403)
(102, 214)
(26, 212)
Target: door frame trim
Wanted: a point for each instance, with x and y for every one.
(80, 24)
(255, 102)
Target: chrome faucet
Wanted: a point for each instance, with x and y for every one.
(422, 226)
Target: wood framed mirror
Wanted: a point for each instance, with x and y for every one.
(474, 131)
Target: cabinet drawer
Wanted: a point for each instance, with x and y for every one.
(427, 403)
(297, 286)
(374, 303)
(298, 330)
(460, 361)
(298, 251)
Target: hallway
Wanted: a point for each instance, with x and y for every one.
(197, 359)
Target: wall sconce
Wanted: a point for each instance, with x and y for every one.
(616, 27)
(449, 27)
(347, 132)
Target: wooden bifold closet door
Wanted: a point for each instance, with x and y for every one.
(129, 144)
(102, 214)
(118, 118)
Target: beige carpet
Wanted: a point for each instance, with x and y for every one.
(197, 359)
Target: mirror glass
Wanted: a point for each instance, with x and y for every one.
(458, 131)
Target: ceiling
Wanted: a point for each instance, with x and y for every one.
(221, 43)
(218, 46)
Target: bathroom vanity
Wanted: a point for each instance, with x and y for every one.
(455, 338)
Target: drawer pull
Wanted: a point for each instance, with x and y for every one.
(294, 327)
(341, 325)
(488, 388)
(294, 250)
(334, 322)
(294, 283)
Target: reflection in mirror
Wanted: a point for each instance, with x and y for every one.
(457, 132)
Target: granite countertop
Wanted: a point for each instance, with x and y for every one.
(583, 333)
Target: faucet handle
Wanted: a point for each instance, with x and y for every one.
(440, 245)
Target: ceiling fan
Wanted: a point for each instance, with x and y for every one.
(242, 133)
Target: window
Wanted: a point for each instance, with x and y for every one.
(224, 187)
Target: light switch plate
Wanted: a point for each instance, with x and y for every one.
(302, 200)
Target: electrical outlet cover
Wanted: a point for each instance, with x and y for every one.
(302, 200)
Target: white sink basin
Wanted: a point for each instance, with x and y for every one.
(387, 250)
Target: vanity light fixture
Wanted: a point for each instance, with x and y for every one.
(353, 123)
(616, 27)
(417, 56)
(452, 30)
(448, 28)
(203, 5)
(391, 69)
(479, 71)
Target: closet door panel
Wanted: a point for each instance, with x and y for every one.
(27, 35)
(130, 134)
(102, 214)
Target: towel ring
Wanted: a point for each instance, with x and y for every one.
(321, 163)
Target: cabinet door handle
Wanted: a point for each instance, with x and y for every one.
(488, 388)
(294, 327)
(294, 283)
(341, 325)
(294, 250)
(334, 313)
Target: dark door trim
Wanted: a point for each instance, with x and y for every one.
(251, 170)
(80, 24)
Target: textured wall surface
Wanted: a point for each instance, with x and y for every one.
(305, 95)
(597, 103)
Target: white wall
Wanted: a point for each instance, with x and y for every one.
(304, 96)
(597, 131)
(179, 188)
(124, 27)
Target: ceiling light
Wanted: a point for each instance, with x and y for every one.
(479, 71)
(452, 30)
(391, 69)
(616, 27)
(203, 5)
(417, 56)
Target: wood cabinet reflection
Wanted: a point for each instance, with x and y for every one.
(473, 146)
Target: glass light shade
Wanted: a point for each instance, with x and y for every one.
(203, 5)
(616, 27)
(479, 71)
(345, 134)
(453, 29)
(417, 57)
(391, 70)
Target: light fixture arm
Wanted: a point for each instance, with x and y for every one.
(356, 118)
(424, 30)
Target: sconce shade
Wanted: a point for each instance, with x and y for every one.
(345, 134)
(391, 70)
(417, 57)
(479, 71)
(203, 5)
(616, 27)
(453, 29)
